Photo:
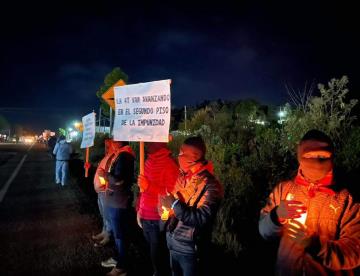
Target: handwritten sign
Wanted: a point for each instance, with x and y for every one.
(142, 112)
(88, 122)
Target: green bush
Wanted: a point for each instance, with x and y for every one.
(251, 158)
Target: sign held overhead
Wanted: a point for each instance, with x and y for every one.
(88, 122)
(142, 112)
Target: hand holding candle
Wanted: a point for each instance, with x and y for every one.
(102, 180)
(166, 202)
(290, 209)
(298, 233)
(165, 213)
(303, 213)
(102, 174)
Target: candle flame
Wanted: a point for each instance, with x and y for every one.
(102, 180)
(165, 213)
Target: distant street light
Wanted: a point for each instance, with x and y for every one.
(73, 134)
(78, 125)
(282, 114)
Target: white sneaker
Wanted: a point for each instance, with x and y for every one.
(109, 263)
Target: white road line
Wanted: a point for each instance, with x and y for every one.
(30, 147)
(12, 177)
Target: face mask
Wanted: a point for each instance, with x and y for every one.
(188, 157)
(315, 169)
(185, 164)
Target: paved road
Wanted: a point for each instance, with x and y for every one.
(10, 157)
(44, 229)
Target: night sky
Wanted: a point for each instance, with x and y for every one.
(54, 56)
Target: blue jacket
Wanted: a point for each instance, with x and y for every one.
(62, 151)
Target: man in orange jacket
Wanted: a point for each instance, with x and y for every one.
(315, 220)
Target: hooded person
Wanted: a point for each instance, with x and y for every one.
(62, 152)
(118, 203)
(314, 219)
(160, 174)
(193, 206)
(100, 185)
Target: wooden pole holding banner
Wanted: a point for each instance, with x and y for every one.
(142, 158)
(142, 161)
(87, 151)
(87, 162)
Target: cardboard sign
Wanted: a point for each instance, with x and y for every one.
(88, 122)
(142, 112)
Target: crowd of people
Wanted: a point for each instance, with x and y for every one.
(312, 217)
(176, 206)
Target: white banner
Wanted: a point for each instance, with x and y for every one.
(142, 112)
(88, 122)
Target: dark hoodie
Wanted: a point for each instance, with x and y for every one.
(120, 179)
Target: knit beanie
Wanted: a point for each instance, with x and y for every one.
(315, 155)
(315, 143)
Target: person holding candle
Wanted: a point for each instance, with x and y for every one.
(315, 219)
(100, 184)
(193, 204)
(160, 174)
(118, 203)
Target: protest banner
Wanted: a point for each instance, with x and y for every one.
(88, 137)
(142, 113)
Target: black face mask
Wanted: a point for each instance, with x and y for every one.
(315, 169)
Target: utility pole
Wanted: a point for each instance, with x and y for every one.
(185, 117)
(99, 118)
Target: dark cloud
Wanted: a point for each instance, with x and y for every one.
(56, 56)
(81, 82)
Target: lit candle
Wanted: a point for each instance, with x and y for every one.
(165, 213)
(302, 219)
(303, 216)
(102, 180)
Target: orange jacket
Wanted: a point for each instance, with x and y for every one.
(112, 150)
(335, 218)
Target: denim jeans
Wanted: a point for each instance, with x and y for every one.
(106, 222)
(182, 264)
(119, 223)
(158, 250)
(62, 172)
